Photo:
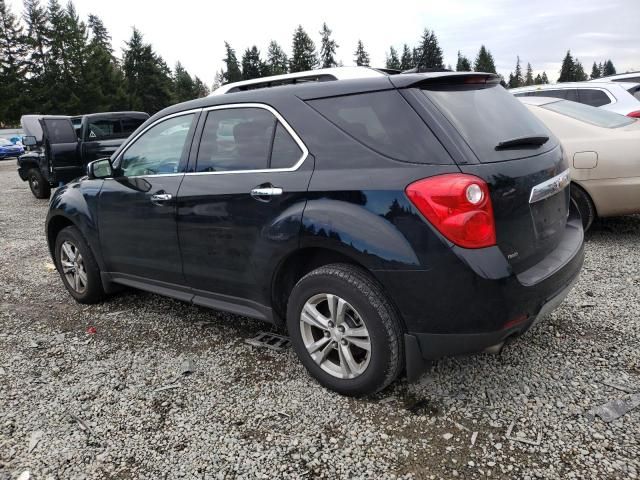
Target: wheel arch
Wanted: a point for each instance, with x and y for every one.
(304, 260)
(54, 226)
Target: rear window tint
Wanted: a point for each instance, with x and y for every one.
(386, 123)
(487, 116)
(285, 152)
(595, 98)
(105, 129)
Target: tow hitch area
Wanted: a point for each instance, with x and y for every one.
(272, 341)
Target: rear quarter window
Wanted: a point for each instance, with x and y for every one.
(386, 123)
(593, 97)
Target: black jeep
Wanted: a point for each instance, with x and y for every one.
(61, 146)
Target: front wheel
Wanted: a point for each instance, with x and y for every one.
(345, 331)
(77, 266)
(38, 184)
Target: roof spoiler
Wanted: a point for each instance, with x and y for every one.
(418, 80)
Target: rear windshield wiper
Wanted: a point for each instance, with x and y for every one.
(526, 141)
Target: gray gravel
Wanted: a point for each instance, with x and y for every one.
(116, 404)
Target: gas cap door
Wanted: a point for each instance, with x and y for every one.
(585, 160)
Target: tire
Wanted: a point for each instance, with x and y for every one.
(89, 287)
(365, 304)
(585, 206)
(38, 184)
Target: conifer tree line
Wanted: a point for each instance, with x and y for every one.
(54, 62)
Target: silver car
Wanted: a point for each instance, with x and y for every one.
(618, 97)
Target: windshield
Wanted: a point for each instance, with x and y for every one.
(490, 117)
(588, 114)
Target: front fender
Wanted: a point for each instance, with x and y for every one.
(76, 203)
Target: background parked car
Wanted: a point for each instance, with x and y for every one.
(621, 98)
(604, 154)
(633, 77)
(9, 149)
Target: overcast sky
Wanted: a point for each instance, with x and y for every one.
(539, 31)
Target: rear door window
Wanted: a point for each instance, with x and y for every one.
(60, 130)
(593, 97)
(386, 123)
(113, 128)
(484, 117)
(236, 139)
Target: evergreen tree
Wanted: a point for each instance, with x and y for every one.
(199, 88)
(361, 55)
(537, 80)
(252, 66)
(600, 68)
(392, 59)
(579, 73)
(516, 80)
(406, 60)
(218, 80)
(102, 77)
(277, 61)
(528, 79)
(595, 71)
(13, 66)
(328, 48)
(463, 65)
(608, 69)
(303, 55)
(147, 76)
(484, 61)
(183, 85)
(544, 78)
(568, 69)
(430, 53)
(37, 39)
(232, 73)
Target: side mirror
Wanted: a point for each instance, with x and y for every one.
(99, 169)
(29, 141)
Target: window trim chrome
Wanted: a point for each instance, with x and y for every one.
(273, 111)
(280, 118)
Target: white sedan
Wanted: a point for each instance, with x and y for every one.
(604, 154)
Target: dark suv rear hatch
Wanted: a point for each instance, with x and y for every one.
(492, 135)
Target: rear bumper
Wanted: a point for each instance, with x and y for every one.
(481, 302)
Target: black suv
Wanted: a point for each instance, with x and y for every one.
(386, 221)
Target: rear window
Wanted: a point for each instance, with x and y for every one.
(386, 123)
(487, 116)
(595, 98)
(60, 131)
(592, 115)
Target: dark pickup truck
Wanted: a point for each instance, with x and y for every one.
(60, 146)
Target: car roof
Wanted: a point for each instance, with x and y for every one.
(322, 89)
(116, 114)
(586, 84)
(336, 73)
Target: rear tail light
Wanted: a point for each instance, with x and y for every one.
(459, 206)
(635, 114)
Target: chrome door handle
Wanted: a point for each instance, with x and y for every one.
(266, 192)
(157, 198)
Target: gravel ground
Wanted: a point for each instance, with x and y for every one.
(75, 404)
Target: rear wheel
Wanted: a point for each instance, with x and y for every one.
(344, 330)
(583, 203)
(77, 266)
(38, 184)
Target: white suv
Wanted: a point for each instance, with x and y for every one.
(623, 98)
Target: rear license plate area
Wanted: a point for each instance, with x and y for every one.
(550, 214)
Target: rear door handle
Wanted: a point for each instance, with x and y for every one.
(266, 191)
(158, 198)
